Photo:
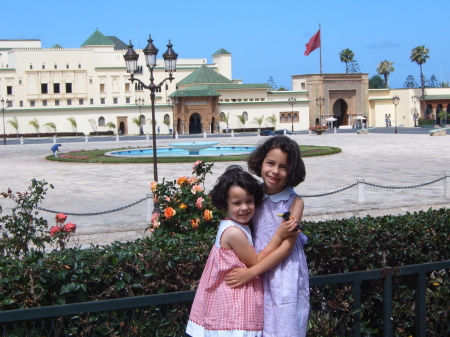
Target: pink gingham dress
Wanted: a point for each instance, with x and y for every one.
(218, 310)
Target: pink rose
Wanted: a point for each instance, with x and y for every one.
(194, 166)
(199, 202)
(54, 230)
(60, 218)
(196, 188)
(70, 227)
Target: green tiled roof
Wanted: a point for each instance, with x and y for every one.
(437, 97)
(118, 43)
(230, 86)
(222, 51)
(194, 93)
(204, 75)
(98, 39)
(56, 46)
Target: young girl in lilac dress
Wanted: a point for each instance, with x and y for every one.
(286, 286)
(218, 310)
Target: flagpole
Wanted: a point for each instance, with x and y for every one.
(320, 30)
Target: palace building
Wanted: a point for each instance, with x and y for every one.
(90, 85)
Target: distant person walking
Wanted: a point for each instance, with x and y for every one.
(56, 148)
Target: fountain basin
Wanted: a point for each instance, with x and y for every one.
(172, 152)
(193, 147)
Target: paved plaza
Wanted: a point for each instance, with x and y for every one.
(381, 159)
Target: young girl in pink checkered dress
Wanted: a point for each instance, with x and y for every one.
(218, 310)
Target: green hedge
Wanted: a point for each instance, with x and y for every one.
(175, 263)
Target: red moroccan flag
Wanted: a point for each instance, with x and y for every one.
(313, 44)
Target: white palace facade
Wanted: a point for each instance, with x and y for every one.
(90, 85)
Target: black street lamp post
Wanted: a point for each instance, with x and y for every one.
(415, 99)
(170, 63)
(320, 101)
(292, 101)
(139, 103)
(396, 100)
(3, 111)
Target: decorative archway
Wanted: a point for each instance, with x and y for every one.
(195, 123)
(340, 109)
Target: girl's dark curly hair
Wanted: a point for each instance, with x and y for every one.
(295, 166)
(234, 175)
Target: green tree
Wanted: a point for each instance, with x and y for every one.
(111, 125)
(272, 119)
(74, 124)
(282, 89)
(34, 123)
(420, 56)
(444, 84)
(410, 82)
(51, 125)
(258, 120)
(225, 118)
(346, 55)
(433, 82)
(94, 125)
(353, 67)
(376, 82)
(385, 68)
(242, 120)
(15, 124)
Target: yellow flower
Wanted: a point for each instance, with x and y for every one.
(183, 206)
(169, 212)
(153, 186)
(207, 215)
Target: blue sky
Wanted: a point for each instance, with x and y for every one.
(266, 38)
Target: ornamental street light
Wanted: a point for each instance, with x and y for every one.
(140, 103)
(320, 101)
(415, 99)
(396, 100)
(3, 111)
(292, 101)
(170, 63)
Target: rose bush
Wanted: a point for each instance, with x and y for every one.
(184, 204)
(61, 233)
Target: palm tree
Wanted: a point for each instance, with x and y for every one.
(51, 126)
(242, 120)
(385, 68)
(346, 55)
(258, 120)
(15, 124)
(272, 119)
(94, 125)
(111, 125)
(34, 123)
(420, 56)
(73, 121)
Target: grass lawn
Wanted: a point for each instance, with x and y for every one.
(97, 156)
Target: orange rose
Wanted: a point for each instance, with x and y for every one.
(196, 188)
(153, 186)
(207, 215)
(169, 212)
(183, 206)
(195, 223)
(182, 181)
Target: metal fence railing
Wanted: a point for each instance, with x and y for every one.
(341, 305)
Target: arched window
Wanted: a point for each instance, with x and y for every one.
(166, 119)
(101, 121)
(295, 117)
(289, 117)
(142, 120)
(282, 118)
(245, 115)
(222, 116)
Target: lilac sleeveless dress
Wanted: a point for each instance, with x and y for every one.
(286, 286)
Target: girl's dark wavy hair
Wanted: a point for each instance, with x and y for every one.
(234, 175)
(295, 165)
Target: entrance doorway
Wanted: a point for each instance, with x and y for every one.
(195, 123)
(340, 109)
